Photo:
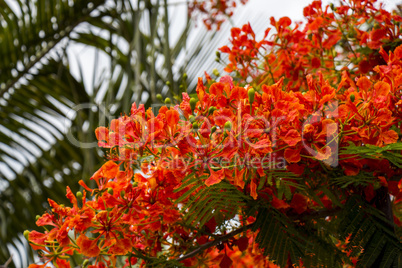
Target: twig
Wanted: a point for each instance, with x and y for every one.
(306, 216)
(7, 262)
(215, 242)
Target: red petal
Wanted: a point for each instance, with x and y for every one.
(226, 262)
(62, 263)
(292, 155)
(215, 177)
(211, 225)
(172, 117)
(45, 219)
(110, 169)
(242, 243)
(88, 247)
(299, 203)
(278, 204)
(37, 238)
(102, 134)
(71, 197)
(292, 137)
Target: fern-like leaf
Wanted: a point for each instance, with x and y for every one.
(222, 200)
(280, 238)
(391, 152)
(371, 236)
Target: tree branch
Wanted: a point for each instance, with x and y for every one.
(304, 216)
(215, 242)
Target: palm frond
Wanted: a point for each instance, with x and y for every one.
(30, 31)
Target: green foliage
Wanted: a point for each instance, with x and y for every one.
(45, 177)
(280, 238)
(221, 200)
(391, 152)
(361, 179)
(368, 229)
(29, 32)
(309, 238)
(366, 233)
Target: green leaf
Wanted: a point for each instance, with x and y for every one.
(369, 234)
(221, 199)
(279, 238)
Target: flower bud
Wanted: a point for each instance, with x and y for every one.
(135, 184)
(122, 193)
(193, 103)
(251, 95)
(85, 263)
(159, 97)
(228, 126)
(185, 76)
(211, 110)
(215, 72)
(26, 234)
(213, 129)
(218, 54)
(37, 217)
(78, 195)
(168, 101)
(195, 125)
(351, 33)
(110, 191)
(168, 83)
(191, 118)
(352, 98)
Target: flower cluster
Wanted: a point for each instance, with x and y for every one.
(213, 12)
(132, 209)
(348, 37)
(269, 141)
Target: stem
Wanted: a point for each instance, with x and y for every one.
(7, 262)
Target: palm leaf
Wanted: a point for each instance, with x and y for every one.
(31, 31)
